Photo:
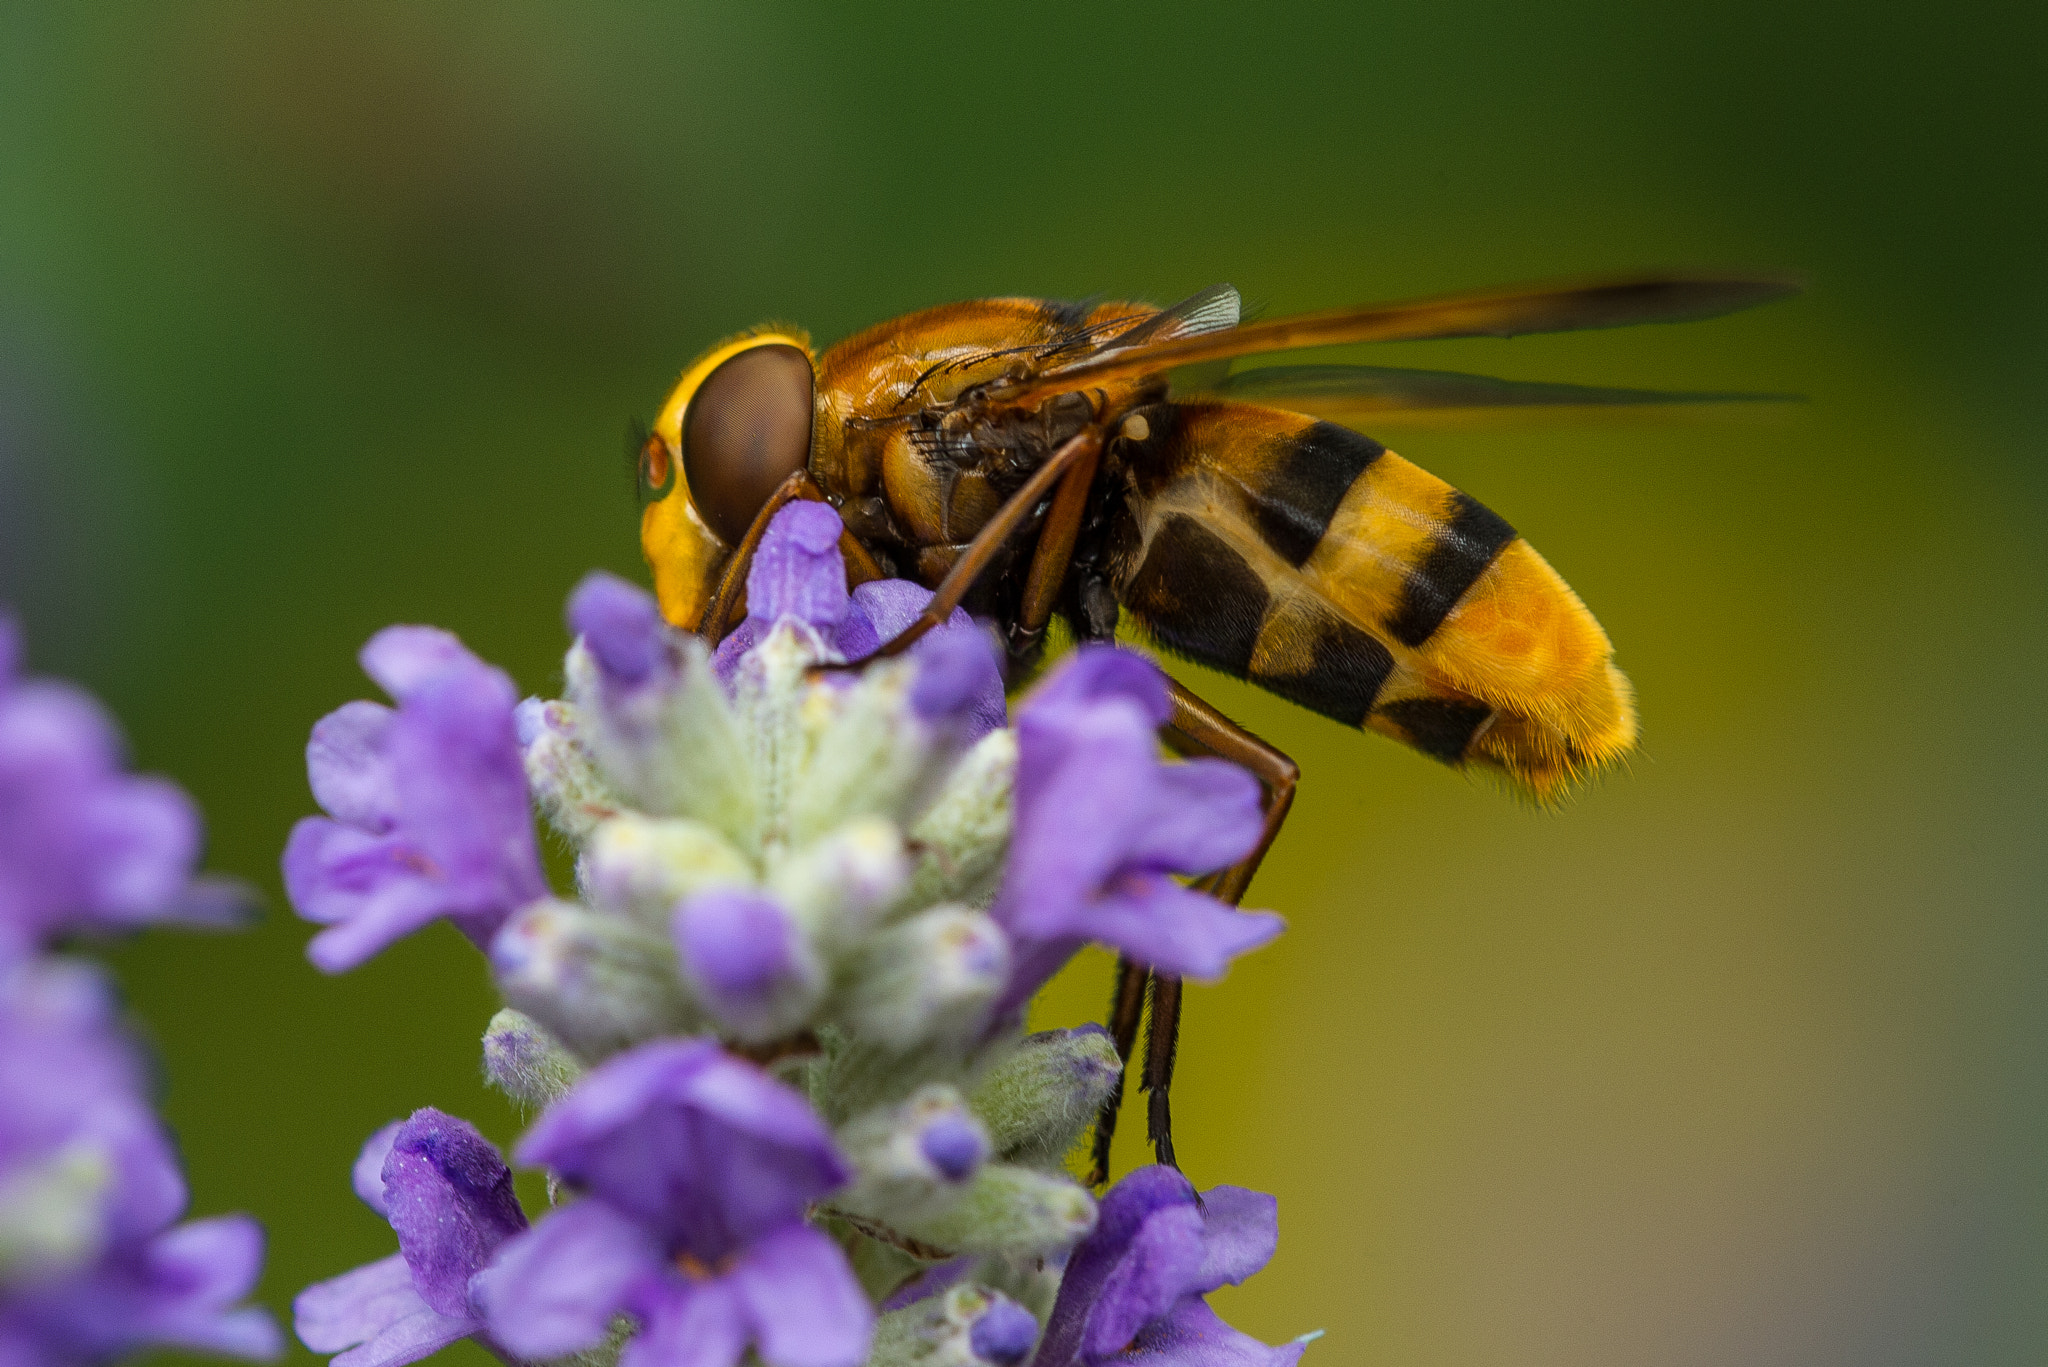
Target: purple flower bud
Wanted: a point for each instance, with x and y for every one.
(449, 1198)
(620, 624)
(746, 958)
(1004, 1333)
(955, 1147)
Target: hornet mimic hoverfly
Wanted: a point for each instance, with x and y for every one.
(1028, 459)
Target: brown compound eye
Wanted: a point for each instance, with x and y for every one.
(748, 428)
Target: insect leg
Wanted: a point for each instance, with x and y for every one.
(1197, 728)
(1126, 1006)
(1161, 1044)
(1055, 548)
(1083, 447)
(729, 601)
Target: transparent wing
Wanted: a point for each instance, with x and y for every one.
(1211, 310)
(1348, 391)
(1487, 313)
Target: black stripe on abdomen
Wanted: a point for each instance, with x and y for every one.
(1470, 539)
(1197, 596)
(1306, 477)
(1439, 727)
(1346, 669)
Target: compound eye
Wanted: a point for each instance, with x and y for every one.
(748, 428)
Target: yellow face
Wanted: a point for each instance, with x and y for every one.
(684, 547)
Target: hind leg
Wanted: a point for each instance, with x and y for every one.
(1196, 729)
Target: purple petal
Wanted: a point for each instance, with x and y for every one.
(1173, 928)
(958, 679)
(1004, 1333)
(1205, 815)
(707, 1150)
(1240, 1234)
(1032, 965)
(347, 767)
(217, 902)
(687, 1324)
(928, 1283)
(1121, 1217)
(10, 648)
(54, 732)
(888, 606)
(1192, 1336)
(1156, 1268)
(463, 783)
(806, 1307)
(1097, 673)
(356, 1306)
(367, 1176)
(741, 951)
(418, 1335)
(332, 872)
(142, 839)
(798, 570)
(620, 625)
(450, 1199)
(400, 659)
(725, 661)
(1084, 784)
(555, 1288)
(195, 1275)
(959, 676)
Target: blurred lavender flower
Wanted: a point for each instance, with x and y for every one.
(85, 846)
(1132, 1292)
(1102, 824)
(429, 805)
(92, 1265)
(697, 1170)
(448, 1195)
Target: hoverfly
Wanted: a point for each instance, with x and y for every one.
(1097, 462)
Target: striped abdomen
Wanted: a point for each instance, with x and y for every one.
(1319, 565)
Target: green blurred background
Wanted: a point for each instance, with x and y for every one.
(317, 318)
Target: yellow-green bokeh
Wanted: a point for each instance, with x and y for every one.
(316, 318)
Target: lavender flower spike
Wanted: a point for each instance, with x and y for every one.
(448, 1194)
(1102, 825)
(1132, 1291)
(85, 846)
(428, 805)
(697, 1170)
